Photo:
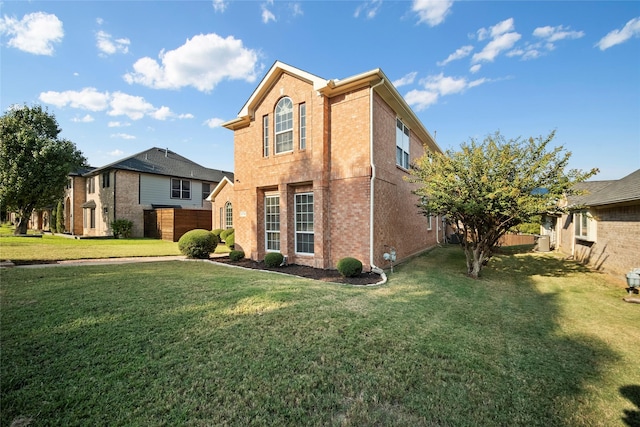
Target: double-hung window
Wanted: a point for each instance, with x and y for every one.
(180, 189)
(284, 125)
(304, 223)
(228, 215)
(272, 223)
(106, 182)
(584, 226)
(402, 144)
(265, 136)
(206, 190)
(303, 125)
(91, 185)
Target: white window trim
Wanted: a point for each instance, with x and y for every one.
(182, 190)
(296, 232)
(403, 144)
(282, 132)
(591, 226)
(302, 126)
(265, 136)
(266, 231)
(228, 215)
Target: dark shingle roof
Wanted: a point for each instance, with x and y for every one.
(623, 190)
(589, 188)
(160, 161)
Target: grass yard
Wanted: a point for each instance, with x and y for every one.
(538, 341)
(56, 247)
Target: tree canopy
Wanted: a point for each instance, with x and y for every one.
(488, 187)
(34, 162)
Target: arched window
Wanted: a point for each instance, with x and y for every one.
(228, 215)
(284, 125)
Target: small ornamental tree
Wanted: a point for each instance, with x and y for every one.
(487, 188)
(34, 162)
(60, 218)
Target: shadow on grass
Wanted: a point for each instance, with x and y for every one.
(500, 341)
(631, 392)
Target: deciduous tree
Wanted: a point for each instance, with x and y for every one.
(34, 162)
(488, 187)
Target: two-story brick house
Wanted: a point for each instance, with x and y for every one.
(146, 182)
(319, 171)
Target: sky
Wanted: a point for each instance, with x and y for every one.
(124, 76)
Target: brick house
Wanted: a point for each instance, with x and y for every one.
(319, 171)
(147, 182)
(602, 226)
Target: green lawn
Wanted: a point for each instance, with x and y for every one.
(538, 341)
(56, 247)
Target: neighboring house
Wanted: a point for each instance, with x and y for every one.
(130, 188)
(602, 228)
(319, 171)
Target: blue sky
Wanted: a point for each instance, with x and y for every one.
(122, 77)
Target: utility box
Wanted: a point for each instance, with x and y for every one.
(543, 244)
(633, 279)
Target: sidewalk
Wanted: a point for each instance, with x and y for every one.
(103, 261)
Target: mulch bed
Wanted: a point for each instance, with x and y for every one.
(304, 271)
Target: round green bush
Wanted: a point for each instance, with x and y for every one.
(225, 233)
(197, 243)
(273, 259)
(349, 267)
(230, 241)
(217, 232)
(236, 255)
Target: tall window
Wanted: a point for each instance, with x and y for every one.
(206, 190)
(180, 189)
(228, 215)
(106, 182)
(583, 226)
(284, 125)
(304, 223)
(402, 144)
(303, 126)
(265, 136)
(91, 185)
(272, 222)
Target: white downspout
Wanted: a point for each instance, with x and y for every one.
(374, 268)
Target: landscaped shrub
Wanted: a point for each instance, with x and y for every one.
(236, 255)
(121, 228)
(349, 267)
(60, 217)
(230, 241)
(217, 232)
(226, 233)
(198, 243)
(273, 259)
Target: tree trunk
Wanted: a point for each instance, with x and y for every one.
(475, 257)
(21, 226)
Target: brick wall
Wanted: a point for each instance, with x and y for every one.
(127, 187)
(617, 246)
(336, 167)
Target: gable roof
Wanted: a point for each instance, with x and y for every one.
(623, 190)
(162, 161)
(223, 183)
(589, 188)
(375, 79)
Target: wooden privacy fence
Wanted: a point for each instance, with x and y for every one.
(170, 223)
(516, 239)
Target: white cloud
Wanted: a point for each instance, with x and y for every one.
(220, 5)
(406, 80)
(108, 46)
(118, 104)
(118, 124)
(296, 9)
(214, 122)
(122, 136)
(34, 33)
(502, 38)
(267, 15)
(85, 119)
(475, 68)
(421, 99)
(432, 12)
(88, 98)
(500, 28)
(553, 34)
(116, 153)
(615, 37)
(134, 107)
(458, 54)
(202, 62)
(439, 85)
(369, 9)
